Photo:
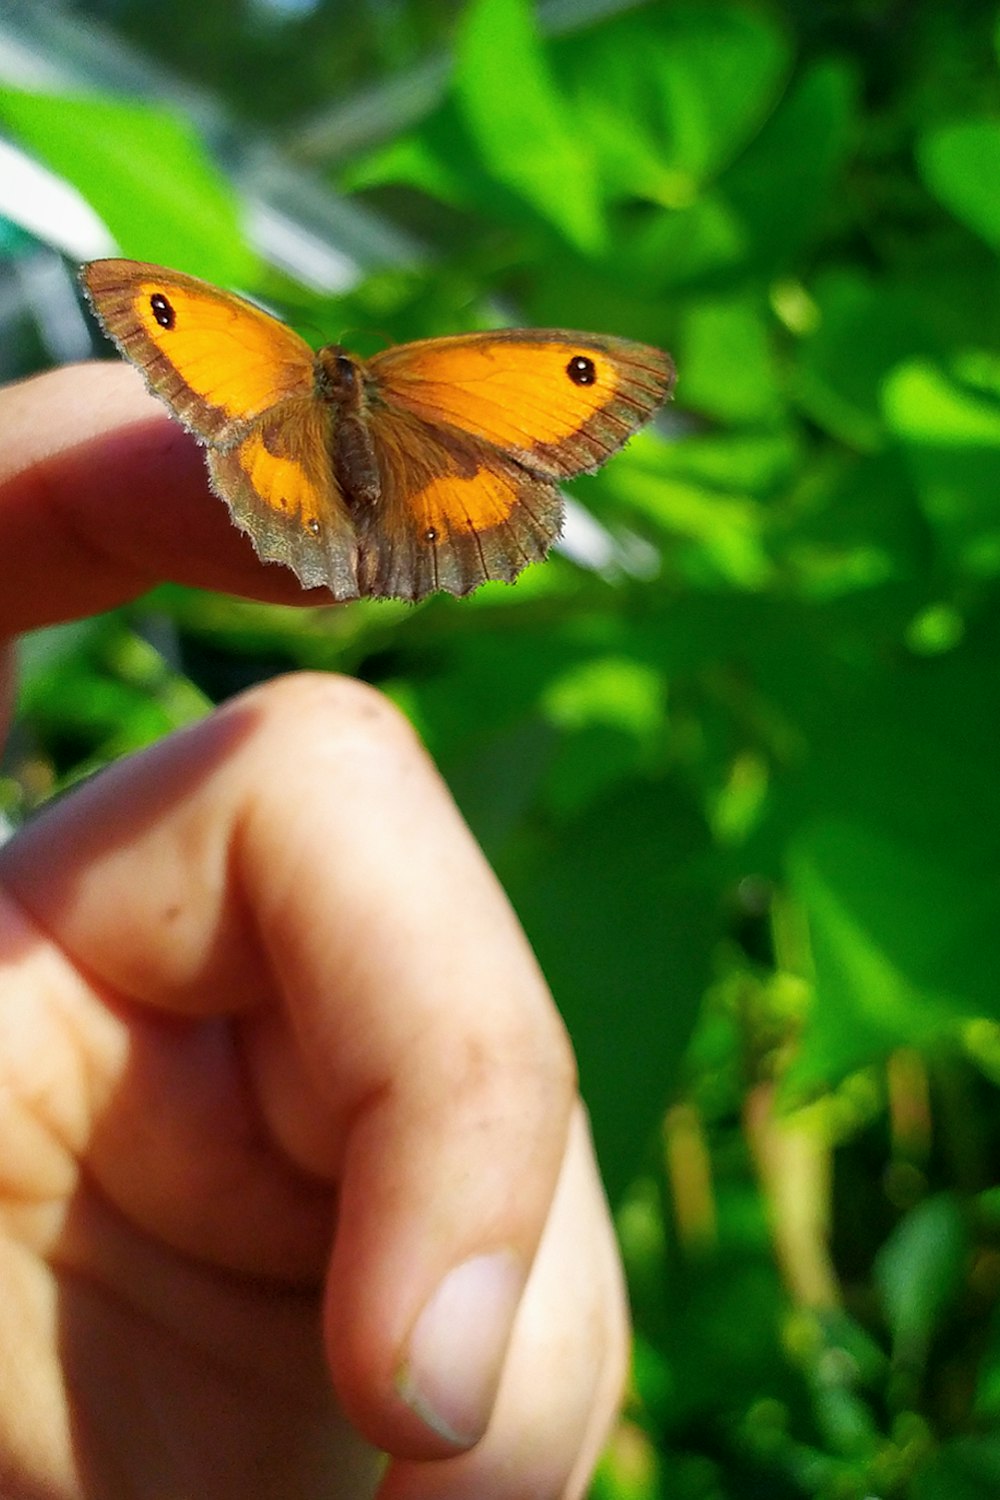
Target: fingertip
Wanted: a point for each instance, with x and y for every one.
(437, 1397)
(103, 495)
(450, 1369)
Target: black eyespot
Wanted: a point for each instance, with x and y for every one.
(313, 525)
(430, 535)
(162, 310)
(581, 370)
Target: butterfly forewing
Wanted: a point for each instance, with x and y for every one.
(216, 360)
(559, 402)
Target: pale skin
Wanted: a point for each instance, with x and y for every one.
(275, 1059)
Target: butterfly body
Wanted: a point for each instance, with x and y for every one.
(433, 465)
(339, 382)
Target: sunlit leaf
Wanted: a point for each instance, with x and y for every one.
(525, 134)
(146, 172)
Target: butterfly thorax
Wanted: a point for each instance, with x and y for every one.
(340, 384)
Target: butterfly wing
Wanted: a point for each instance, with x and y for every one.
(468, 433)
(217, 361)
(245, 385)
(452, 513)
(278, 483)
(558, 403)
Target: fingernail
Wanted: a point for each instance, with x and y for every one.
(457, 1347)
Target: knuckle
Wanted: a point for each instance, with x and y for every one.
(331, 708)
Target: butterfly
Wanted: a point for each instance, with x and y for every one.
(433, 465)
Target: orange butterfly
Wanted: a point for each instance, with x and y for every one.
(434, 465)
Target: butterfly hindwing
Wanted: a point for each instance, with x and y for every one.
(453, 512)
(279, 485)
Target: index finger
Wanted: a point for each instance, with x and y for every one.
(102, 496)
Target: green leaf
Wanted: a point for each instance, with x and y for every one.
(727, 362)
(526, 134)
(669, 96)
(712, 536)
(617, 910)
(758, 461)
(145, 171)
(689, 246)
(919, 1272)
(960, 163)
(414, 160)
(839, 543)
(612, 712)
(101, 688)
(967, 1468)
(887, 834)
(950, 434)
(781, 183)
(864, 329)
(987, 1400)
(718, 71)
(896, 939)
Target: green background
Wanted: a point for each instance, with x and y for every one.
(742, 779)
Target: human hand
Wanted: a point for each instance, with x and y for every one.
(277, 1063)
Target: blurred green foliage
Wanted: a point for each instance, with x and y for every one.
(741, 780)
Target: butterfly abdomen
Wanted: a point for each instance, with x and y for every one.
(355, 464)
